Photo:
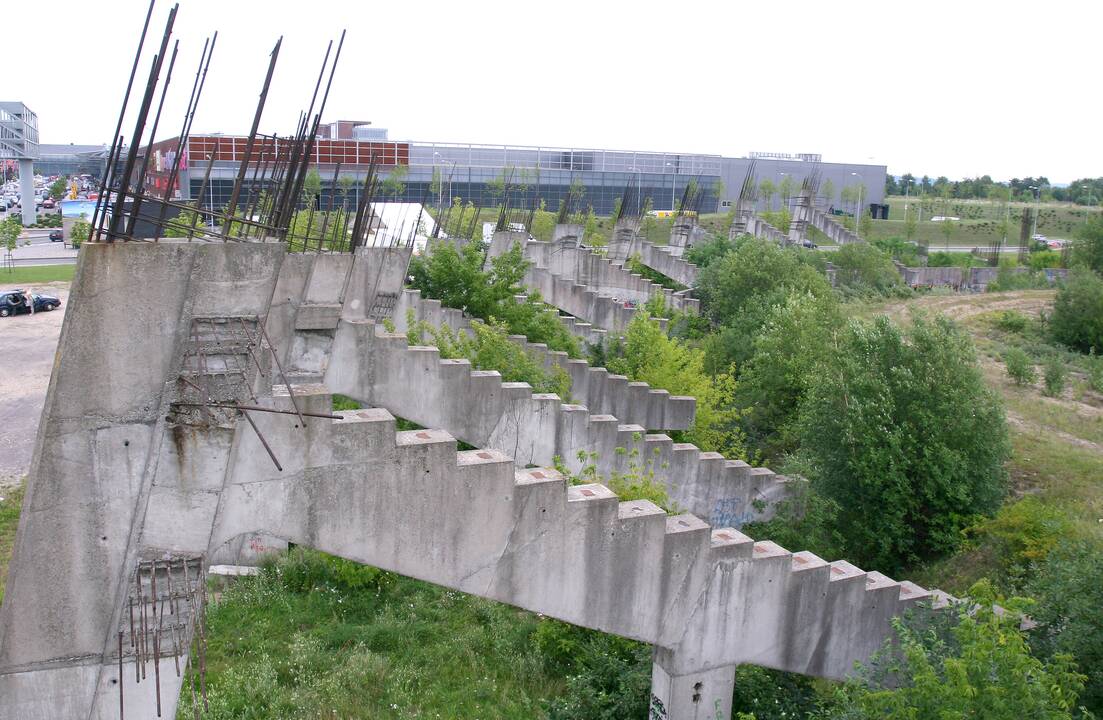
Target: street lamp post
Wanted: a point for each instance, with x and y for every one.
(440, 184)
(861, 186)
(673, 183)
(1034, 220)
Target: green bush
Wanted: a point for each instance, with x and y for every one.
(1066, 587)
(865, 270)
(978, 666)
(488, 347)
(740, 290)
(1088, 249)
(797, 335)
(903, 434)
(649, 355)
(704, 254)
(1011, 321)
(1095, 371)
(1054, 375)
(458, 280)
(1045, 259)
(1020, 368)
(1021, 533)
(1077, 318)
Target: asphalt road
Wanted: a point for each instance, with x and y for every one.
(28, 343)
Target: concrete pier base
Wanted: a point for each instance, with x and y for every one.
(26, 191)
(701, 695)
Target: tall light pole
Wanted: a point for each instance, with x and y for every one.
(439, 179)
(673, 183)
(857, 214)
(1034, 216)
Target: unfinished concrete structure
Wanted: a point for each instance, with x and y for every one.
(201, 418)
(143, 485)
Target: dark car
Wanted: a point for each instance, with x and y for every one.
(57, 236)
(810, 245)
(14, 302)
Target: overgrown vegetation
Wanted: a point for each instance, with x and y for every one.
(896, 429)
(458, 279)
(488, 347)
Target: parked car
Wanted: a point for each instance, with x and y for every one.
(810, 245)
(57, 236)
(14, 302)
(48, 203)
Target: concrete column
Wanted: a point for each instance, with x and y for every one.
(26, 190)
(677, 695)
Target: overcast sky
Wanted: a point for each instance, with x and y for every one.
(956, 88)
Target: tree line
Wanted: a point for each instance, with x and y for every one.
(1086, 191)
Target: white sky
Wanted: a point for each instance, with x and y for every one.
(956, 88)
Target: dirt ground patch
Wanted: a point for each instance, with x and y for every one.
(960, 307)
(28, 343)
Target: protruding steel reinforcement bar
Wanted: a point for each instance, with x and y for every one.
(231, 207)
(105, 182)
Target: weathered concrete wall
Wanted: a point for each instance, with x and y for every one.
(830, 227)
(599, 390)
(662, 260)
(931, 276)
(102, 442)
(314, 290)
(596, 272)
(726, 492)
(761, 229)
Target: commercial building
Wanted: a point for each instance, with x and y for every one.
(71, 159)
(440, 173)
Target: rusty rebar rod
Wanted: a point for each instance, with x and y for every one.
(260, 436)
(258, 408)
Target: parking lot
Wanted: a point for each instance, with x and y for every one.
(28, 342)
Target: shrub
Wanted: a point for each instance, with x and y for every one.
(648, 355)
(864, 269)
(1068, 612)
(1019, 367)
(1095, 371)
(458, 280)
(977, 666)
(1011, 321)
(1022, 532)
(904, 435)
(1088, 249)
(1077, 318)
(488, 347)
(708, 252)
(796, 336)
(1045, 259)
(741, 289)
(1054, 375)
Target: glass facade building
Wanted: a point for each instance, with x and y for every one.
(442, 173)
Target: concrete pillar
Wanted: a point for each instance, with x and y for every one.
(26, 190)
(676, 695)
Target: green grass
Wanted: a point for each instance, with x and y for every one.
(10, 505)
(315, 637)
(979, 221)
(37, 274)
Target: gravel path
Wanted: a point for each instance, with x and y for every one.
(27, 343)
